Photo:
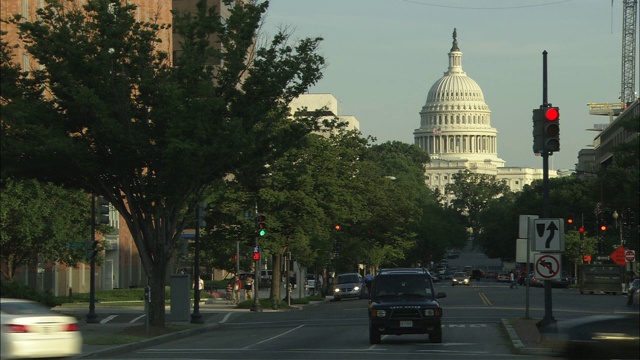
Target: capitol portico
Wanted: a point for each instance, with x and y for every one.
(455, 130)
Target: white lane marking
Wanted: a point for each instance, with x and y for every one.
(136, 319)
(273, 337)
(108, 318)
(226, 317)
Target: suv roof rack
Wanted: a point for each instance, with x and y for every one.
(403, 271)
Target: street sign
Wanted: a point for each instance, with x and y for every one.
(548, 235)
(547, 266)
(618, 256)
(630, 255)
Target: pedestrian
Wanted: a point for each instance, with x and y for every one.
(512, 279)
(237, 288)
(368, 279)
(200, 285)
(248, 288)
(319, 285)
(229, 292)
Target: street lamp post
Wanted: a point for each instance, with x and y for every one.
(618, 220)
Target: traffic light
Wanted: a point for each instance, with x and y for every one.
(569, 224)
(103, 210)
(581, 230)
(603, 227)
(538, 131)
(262, 225)
(551, 129)
(337, 227)
(256, 256)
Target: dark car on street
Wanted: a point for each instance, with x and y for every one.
(611, 336)
(404, 301)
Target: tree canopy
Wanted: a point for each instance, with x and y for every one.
(115, 118)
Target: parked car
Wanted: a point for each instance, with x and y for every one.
(562, 282)
(633, 290)
(611, 336)
(349, 285)
(31, 330)
(459, 278)
(535, 282)
(503, 277)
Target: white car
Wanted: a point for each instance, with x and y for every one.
(30, 330)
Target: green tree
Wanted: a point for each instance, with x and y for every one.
(471, 195)
(119, 121)
(37, 223)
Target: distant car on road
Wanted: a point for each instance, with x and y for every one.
(503, 277)
(349, 285)
(476, 275)
(459, 278)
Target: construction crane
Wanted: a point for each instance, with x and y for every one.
(628, 78)
(629, 19)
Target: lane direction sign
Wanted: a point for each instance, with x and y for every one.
(548, 235)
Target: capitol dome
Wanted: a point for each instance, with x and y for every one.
(455, 122)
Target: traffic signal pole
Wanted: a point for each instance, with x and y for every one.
(546, 206)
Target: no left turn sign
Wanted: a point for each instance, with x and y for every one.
(547, 266)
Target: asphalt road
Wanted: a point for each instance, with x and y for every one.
(339, 330)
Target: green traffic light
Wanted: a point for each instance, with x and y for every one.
(262, 232)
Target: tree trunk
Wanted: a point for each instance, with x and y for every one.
(157, 282)
(276, 282)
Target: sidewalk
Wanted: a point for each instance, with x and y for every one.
(213, 311)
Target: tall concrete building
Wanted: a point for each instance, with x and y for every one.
(455, 130)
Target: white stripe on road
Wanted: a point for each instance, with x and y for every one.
(226, 317)
(272, 338)
(136, 319)
(108, 318)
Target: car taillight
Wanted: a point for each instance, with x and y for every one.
(378, 313)
(71, 327)
(15, 328)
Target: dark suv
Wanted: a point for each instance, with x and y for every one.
(404, 301)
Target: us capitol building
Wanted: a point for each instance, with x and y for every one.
(455, 130)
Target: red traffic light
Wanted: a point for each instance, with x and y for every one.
(581, 230)
(256, 256)
(552, 114)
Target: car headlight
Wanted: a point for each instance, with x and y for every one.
(336, 290)
(379, 313)
(429, 312)
(356, 288)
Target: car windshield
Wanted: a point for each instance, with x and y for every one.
(459, 274)
(348, 279)
(408, 286)
(24, 308)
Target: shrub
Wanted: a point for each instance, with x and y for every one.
(16, 290)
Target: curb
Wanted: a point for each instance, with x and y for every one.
(519, 347)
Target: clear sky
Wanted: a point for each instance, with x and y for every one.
(384, 55)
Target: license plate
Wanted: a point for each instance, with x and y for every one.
(406, 323)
